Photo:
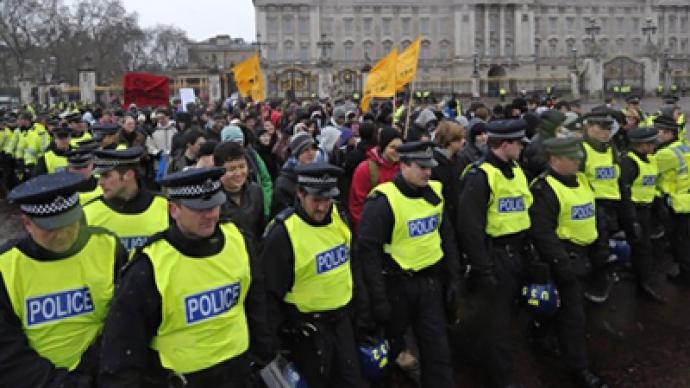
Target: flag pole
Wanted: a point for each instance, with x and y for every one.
(409, 109)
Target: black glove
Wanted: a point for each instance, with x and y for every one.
(637, 230)
(483, 278)
(564, 272)
(451, 299)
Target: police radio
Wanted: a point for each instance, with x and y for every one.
(541, 299)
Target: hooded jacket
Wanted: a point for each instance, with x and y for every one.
(361, 182)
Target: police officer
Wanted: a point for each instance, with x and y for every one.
(410, 262)
(55, 288)
(189, 310)
(309, 279)
(7, 162)
(55, 157)
(563, 230)
(107, 135)
(79, 128)
(638, 188)
(602, 170)
(496, 197)
(673, 158)
(80, 161)
(633, 103)
(126, 207)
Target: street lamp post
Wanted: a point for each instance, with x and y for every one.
(475, 76)
(324, 64)
(324, 45)
(649, 30)
(574, 51)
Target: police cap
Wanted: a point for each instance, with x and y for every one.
(633, 99)
(665, 123)
(62, 131)
(604, 118)
(420, 152)
(642, 135)
(196, 188)
(319, 179)
(550, 120)
(50, 200)
(104, 129)
(107, 160)
(569, 147)
(509, 129)
(74, 117)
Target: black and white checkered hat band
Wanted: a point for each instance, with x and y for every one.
(208, 187)
(59, 205)
(317, 181)
(114, 162)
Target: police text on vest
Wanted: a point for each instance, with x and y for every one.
(605, 173)
(582, 212)
(422, 226)
(511, 204)
(332, 258)
(60, 305)
(211, 303)
(133, 242)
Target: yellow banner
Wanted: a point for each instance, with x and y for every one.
(407, 64)
(249, 78)
(381, 79)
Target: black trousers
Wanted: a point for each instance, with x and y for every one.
(233, 373)
(495, 315)
(679, 238)
(417, 302)
(642, 260)
(329, 357)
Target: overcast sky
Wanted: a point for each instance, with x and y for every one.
(201, 19)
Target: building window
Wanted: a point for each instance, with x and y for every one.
(553, 25)
(386, 26)
(288, 51)
(570, 25)
(304, 52)
(404, 44)
(636, 26)
(424, 26)
(272, 54)
(272, 25)
(425, 52)
(368, 47)
(671, 24)
(525, 18)
(620, 25)
(347, 26)
(348, 51)
(509, 51)
(366, 25)
(406, 28)
(446, 52)
(553, 45)
(287, 24)
(387, 46)
(684, 45)
(304, 25)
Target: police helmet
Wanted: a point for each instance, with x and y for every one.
(541, 299)
(619, 250)
(374, 358)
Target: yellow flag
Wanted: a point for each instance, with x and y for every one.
(407, 64)
(381, 79)
(249, 78)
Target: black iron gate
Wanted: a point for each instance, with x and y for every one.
(621, 73)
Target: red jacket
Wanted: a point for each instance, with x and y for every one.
(361, 182)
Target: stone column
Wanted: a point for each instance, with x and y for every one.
(651, 74)
(214, 88)
(502, 30)
(594, 77)
(87, 85)
(25, 86)
(487, 31)
(574, 85)
(324, 82)
(42, 93)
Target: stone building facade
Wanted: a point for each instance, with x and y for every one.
(326, 46)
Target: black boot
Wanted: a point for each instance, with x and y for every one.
(587, 379)
(648, 289)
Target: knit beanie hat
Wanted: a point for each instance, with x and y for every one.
(387, 135)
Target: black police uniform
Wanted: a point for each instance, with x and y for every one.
(399, 299)
(497, 264)
(614, 215)
(127, 358)
(569, 262)
(50, 202)
(41, 168)
(322, 343)
(533, 158)
(640, 229)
